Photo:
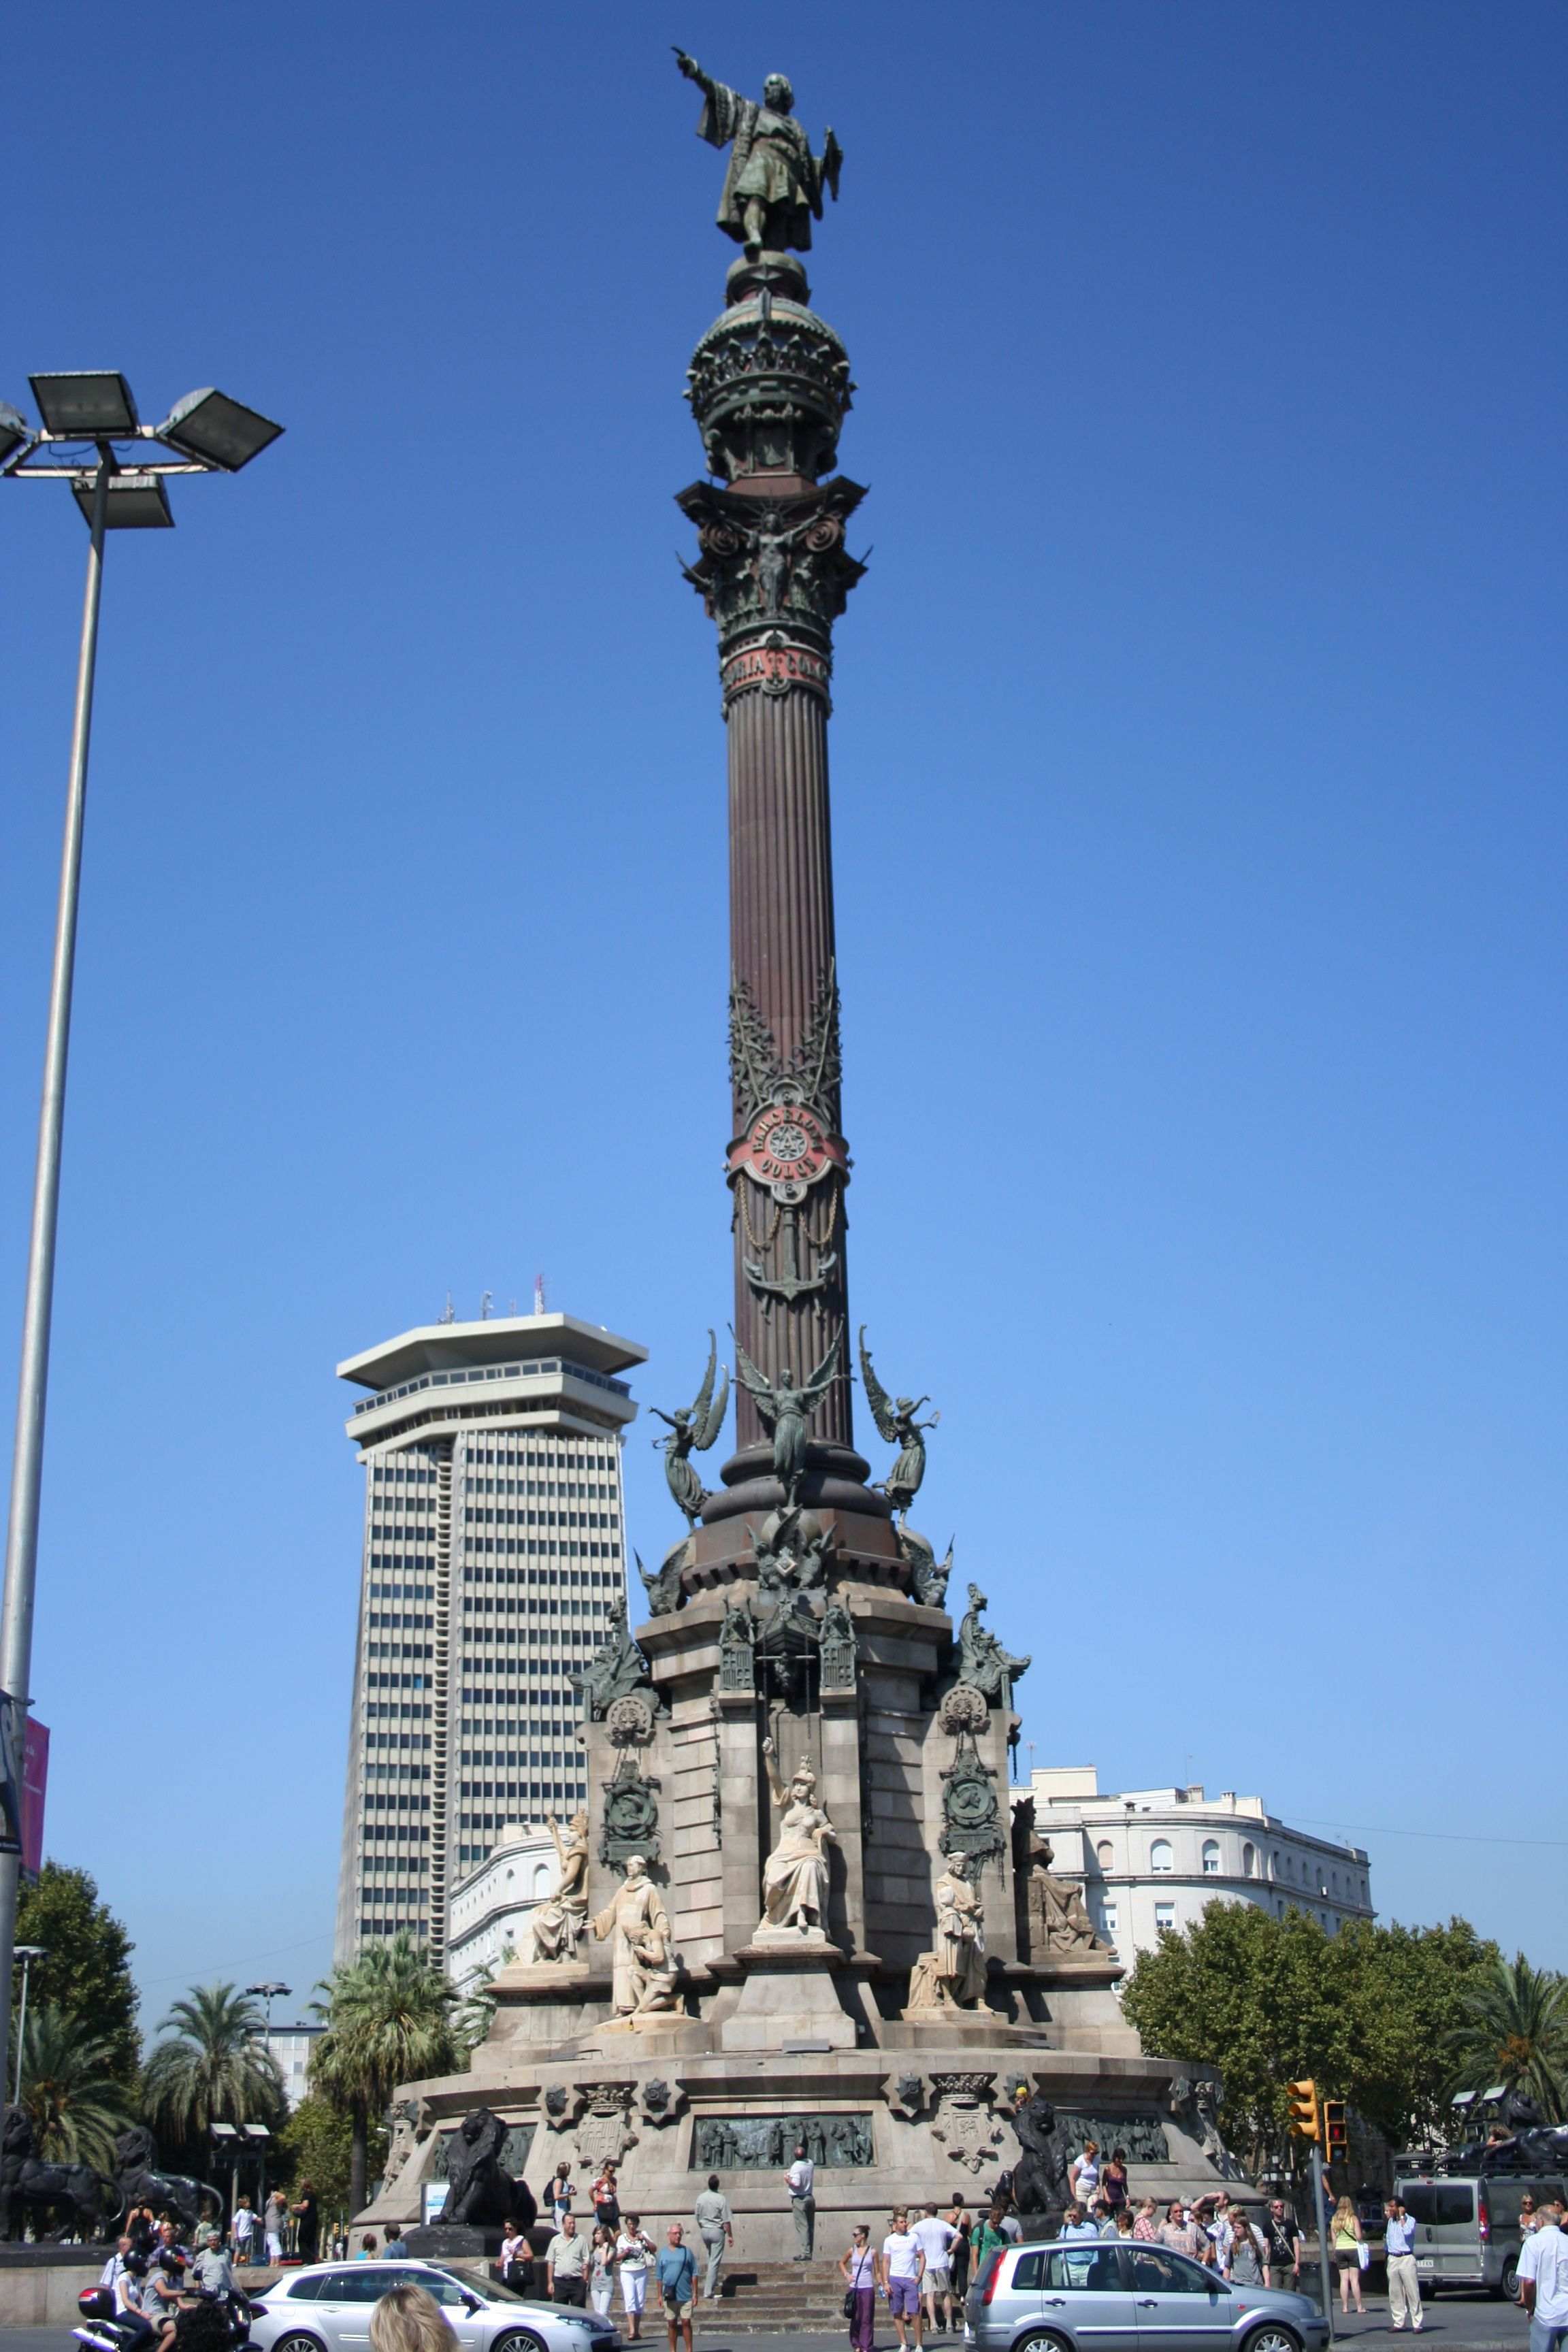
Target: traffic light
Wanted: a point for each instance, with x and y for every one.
(1306, 2123)
(1336, 2132)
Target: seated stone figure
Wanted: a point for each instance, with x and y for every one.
(952, 1974)
(795, 1876)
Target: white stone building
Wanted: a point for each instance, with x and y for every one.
(291, 2046)
(1152, 1858)
(491, 1907)
(494, 1552)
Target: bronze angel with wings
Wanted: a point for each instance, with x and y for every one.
(787, 1408)
(896, 1423)
(693, 1428)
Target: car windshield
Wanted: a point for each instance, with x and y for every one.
(477, 2283)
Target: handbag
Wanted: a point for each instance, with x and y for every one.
(849, 2303)
(1364, 2253)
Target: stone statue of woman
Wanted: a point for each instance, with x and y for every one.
(559, 1922)
(795, 1876)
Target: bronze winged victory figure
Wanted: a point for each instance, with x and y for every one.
(787, 1410)
(693, 1429)
(896, 1423)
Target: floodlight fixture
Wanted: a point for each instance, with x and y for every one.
(135, 501)
(255, 2131)
(84, 406)
(223, 2131)
(14, 432)
(217, 430)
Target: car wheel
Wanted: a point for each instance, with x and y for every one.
(518, 2339)
(1273, 2336)
(1509, 2283)
(1041, 2340)
(298, 2341)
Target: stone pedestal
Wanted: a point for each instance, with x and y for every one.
(541, 2004)
(789, 1994)
(452, 2243)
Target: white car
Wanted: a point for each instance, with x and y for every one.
(326, 2308)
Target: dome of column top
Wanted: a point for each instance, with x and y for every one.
(769, 386)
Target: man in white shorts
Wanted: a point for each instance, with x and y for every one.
(900, 2262)
(934, 2238)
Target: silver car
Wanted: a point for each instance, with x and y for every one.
(1104, 2295)
(326, 2308)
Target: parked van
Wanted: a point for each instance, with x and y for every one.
(1466, 2225)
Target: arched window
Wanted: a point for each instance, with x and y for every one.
(1248, 1861)
(1211, 1857)
(541, 1878)
(1160, 1856)
(1104, 1853)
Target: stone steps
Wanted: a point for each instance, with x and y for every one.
(776, 2298)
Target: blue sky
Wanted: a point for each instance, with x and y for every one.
(1198, 768)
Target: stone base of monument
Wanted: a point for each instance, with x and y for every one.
(549, 2004)
(789, 1994)
(927, 2113)
(434, 2242)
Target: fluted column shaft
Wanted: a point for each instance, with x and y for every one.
(782, 947)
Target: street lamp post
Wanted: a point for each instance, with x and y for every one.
(27, 1954)
(89, 432)
(270, 1991)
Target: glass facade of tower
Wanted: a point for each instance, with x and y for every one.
(493, 1552)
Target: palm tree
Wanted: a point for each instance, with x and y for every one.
(389, 2020)
(1515, 2031)
(214, 2070)
(70, 2089)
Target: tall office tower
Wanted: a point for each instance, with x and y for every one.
(493, 1555)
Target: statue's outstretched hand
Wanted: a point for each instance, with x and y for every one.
(689, 66)
(768, 1746)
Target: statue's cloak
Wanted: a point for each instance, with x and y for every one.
(770, 157)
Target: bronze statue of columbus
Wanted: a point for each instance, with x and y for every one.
(773, 189)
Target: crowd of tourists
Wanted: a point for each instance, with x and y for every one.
(919, 2268)
(923, 2267)
(586, 2261)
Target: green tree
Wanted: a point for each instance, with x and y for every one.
(88, 1962)
(213, 2069)
(316, 2145)
(1514, 2030)
(389, 2020)
(71, 2088)
(1405, 1990)
(1267, 2000)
